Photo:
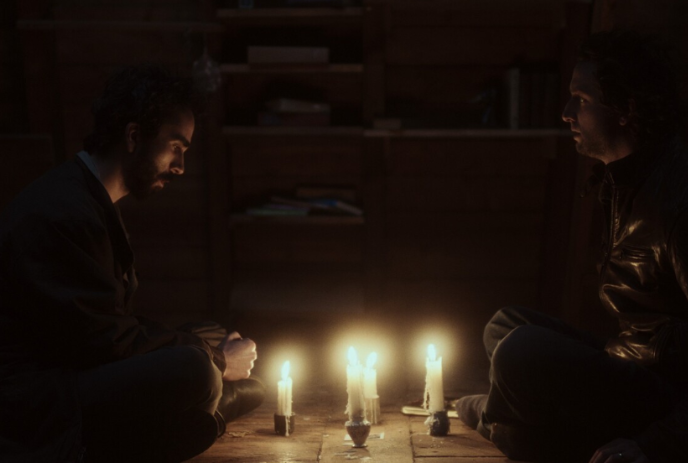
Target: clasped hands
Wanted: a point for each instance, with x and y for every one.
(240, 354)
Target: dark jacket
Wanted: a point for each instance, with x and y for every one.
(644, 276)
(66, 285)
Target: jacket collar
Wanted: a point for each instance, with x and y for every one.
(118, 234)
(635, 168)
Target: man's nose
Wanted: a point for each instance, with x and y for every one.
(568, 115)
(177, 166)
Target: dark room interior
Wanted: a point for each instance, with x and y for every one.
(384, 174)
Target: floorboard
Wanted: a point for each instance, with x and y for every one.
(319, 436)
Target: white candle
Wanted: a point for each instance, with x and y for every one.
(284, 392)
(370, 377)
(434, 389)
(354, 387)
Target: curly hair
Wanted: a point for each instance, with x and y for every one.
(635, 67)
(145, 94)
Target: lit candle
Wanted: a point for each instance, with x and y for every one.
(354, 388)
(284, 392)
(434, 390)
(370, 377)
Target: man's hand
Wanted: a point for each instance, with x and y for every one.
(239, 355)
(619, 451)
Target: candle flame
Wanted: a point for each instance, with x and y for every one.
(372, 358)
(285, 370)
(353, 358)
(432, 353)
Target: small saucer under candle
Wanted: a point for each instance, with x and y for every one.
(284, 425)
(359, 432)
(438, 423)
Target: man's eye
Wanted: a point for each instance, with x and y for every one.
(581, 100)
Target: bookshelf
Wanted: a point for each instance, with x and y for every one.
(323, 257)
(454, 208)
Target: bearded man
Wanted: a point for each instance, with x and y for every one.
(81, 377)
(561, 394)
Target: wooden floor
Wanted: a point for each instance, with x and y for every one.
(319, 436)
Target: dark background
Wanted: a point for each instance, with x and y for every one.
(461, 217)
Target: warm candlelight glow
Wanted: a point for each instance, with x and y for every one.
(434, 389)
(285, 370)
(372, 358)
(284, 392)
(370, 377)
(432, 353)
(355, 406)
(353, 358)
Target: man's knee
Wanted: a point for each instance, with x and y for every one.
(241, 397)
(522, 352)
(200, 378)
(501, 323)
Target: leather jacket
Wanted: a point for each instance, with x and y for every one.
(644, 265)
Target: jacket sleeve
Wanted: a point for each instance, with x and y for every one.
(665, 440)
(65, 283)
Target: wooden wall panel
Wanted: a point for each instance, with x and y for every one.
(466, 193)
(99, 10)
(258, 244)
(458, 246)
(483, 13)
(412, 88)
(295, 292)
(474, 157)
(473, 46)
(474, 300)
(24, 158)
(251, 191)
(173, 301)
(180, 262)
(278, 156)
(116, 46)
(247, 93)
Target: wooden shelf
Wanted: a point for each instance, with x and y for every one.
(307, 220)
(468, 133)
(172, 26)
(285, 16)
(297, 131)
(292, 69)
(409, 133)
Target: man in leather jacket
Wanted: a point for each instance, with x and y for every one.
(561, 394)
(82, 378)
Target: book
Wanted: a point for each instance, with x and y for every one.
(320, 205)
(288, 55)
(537, 93)
(337, 204)
(524, 95)
(287, 105)
(276, 212)
(297, 203)
(512, 87)
(314, 192)
(551, 106)
(289, 119)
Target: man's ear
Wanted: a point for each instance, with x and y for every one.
(132, 135)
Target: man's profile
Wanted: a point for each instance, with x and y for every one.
(558, 393)
(82, 378)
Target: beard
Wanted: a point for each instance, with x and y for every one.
(141, 175)
(595, 147)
